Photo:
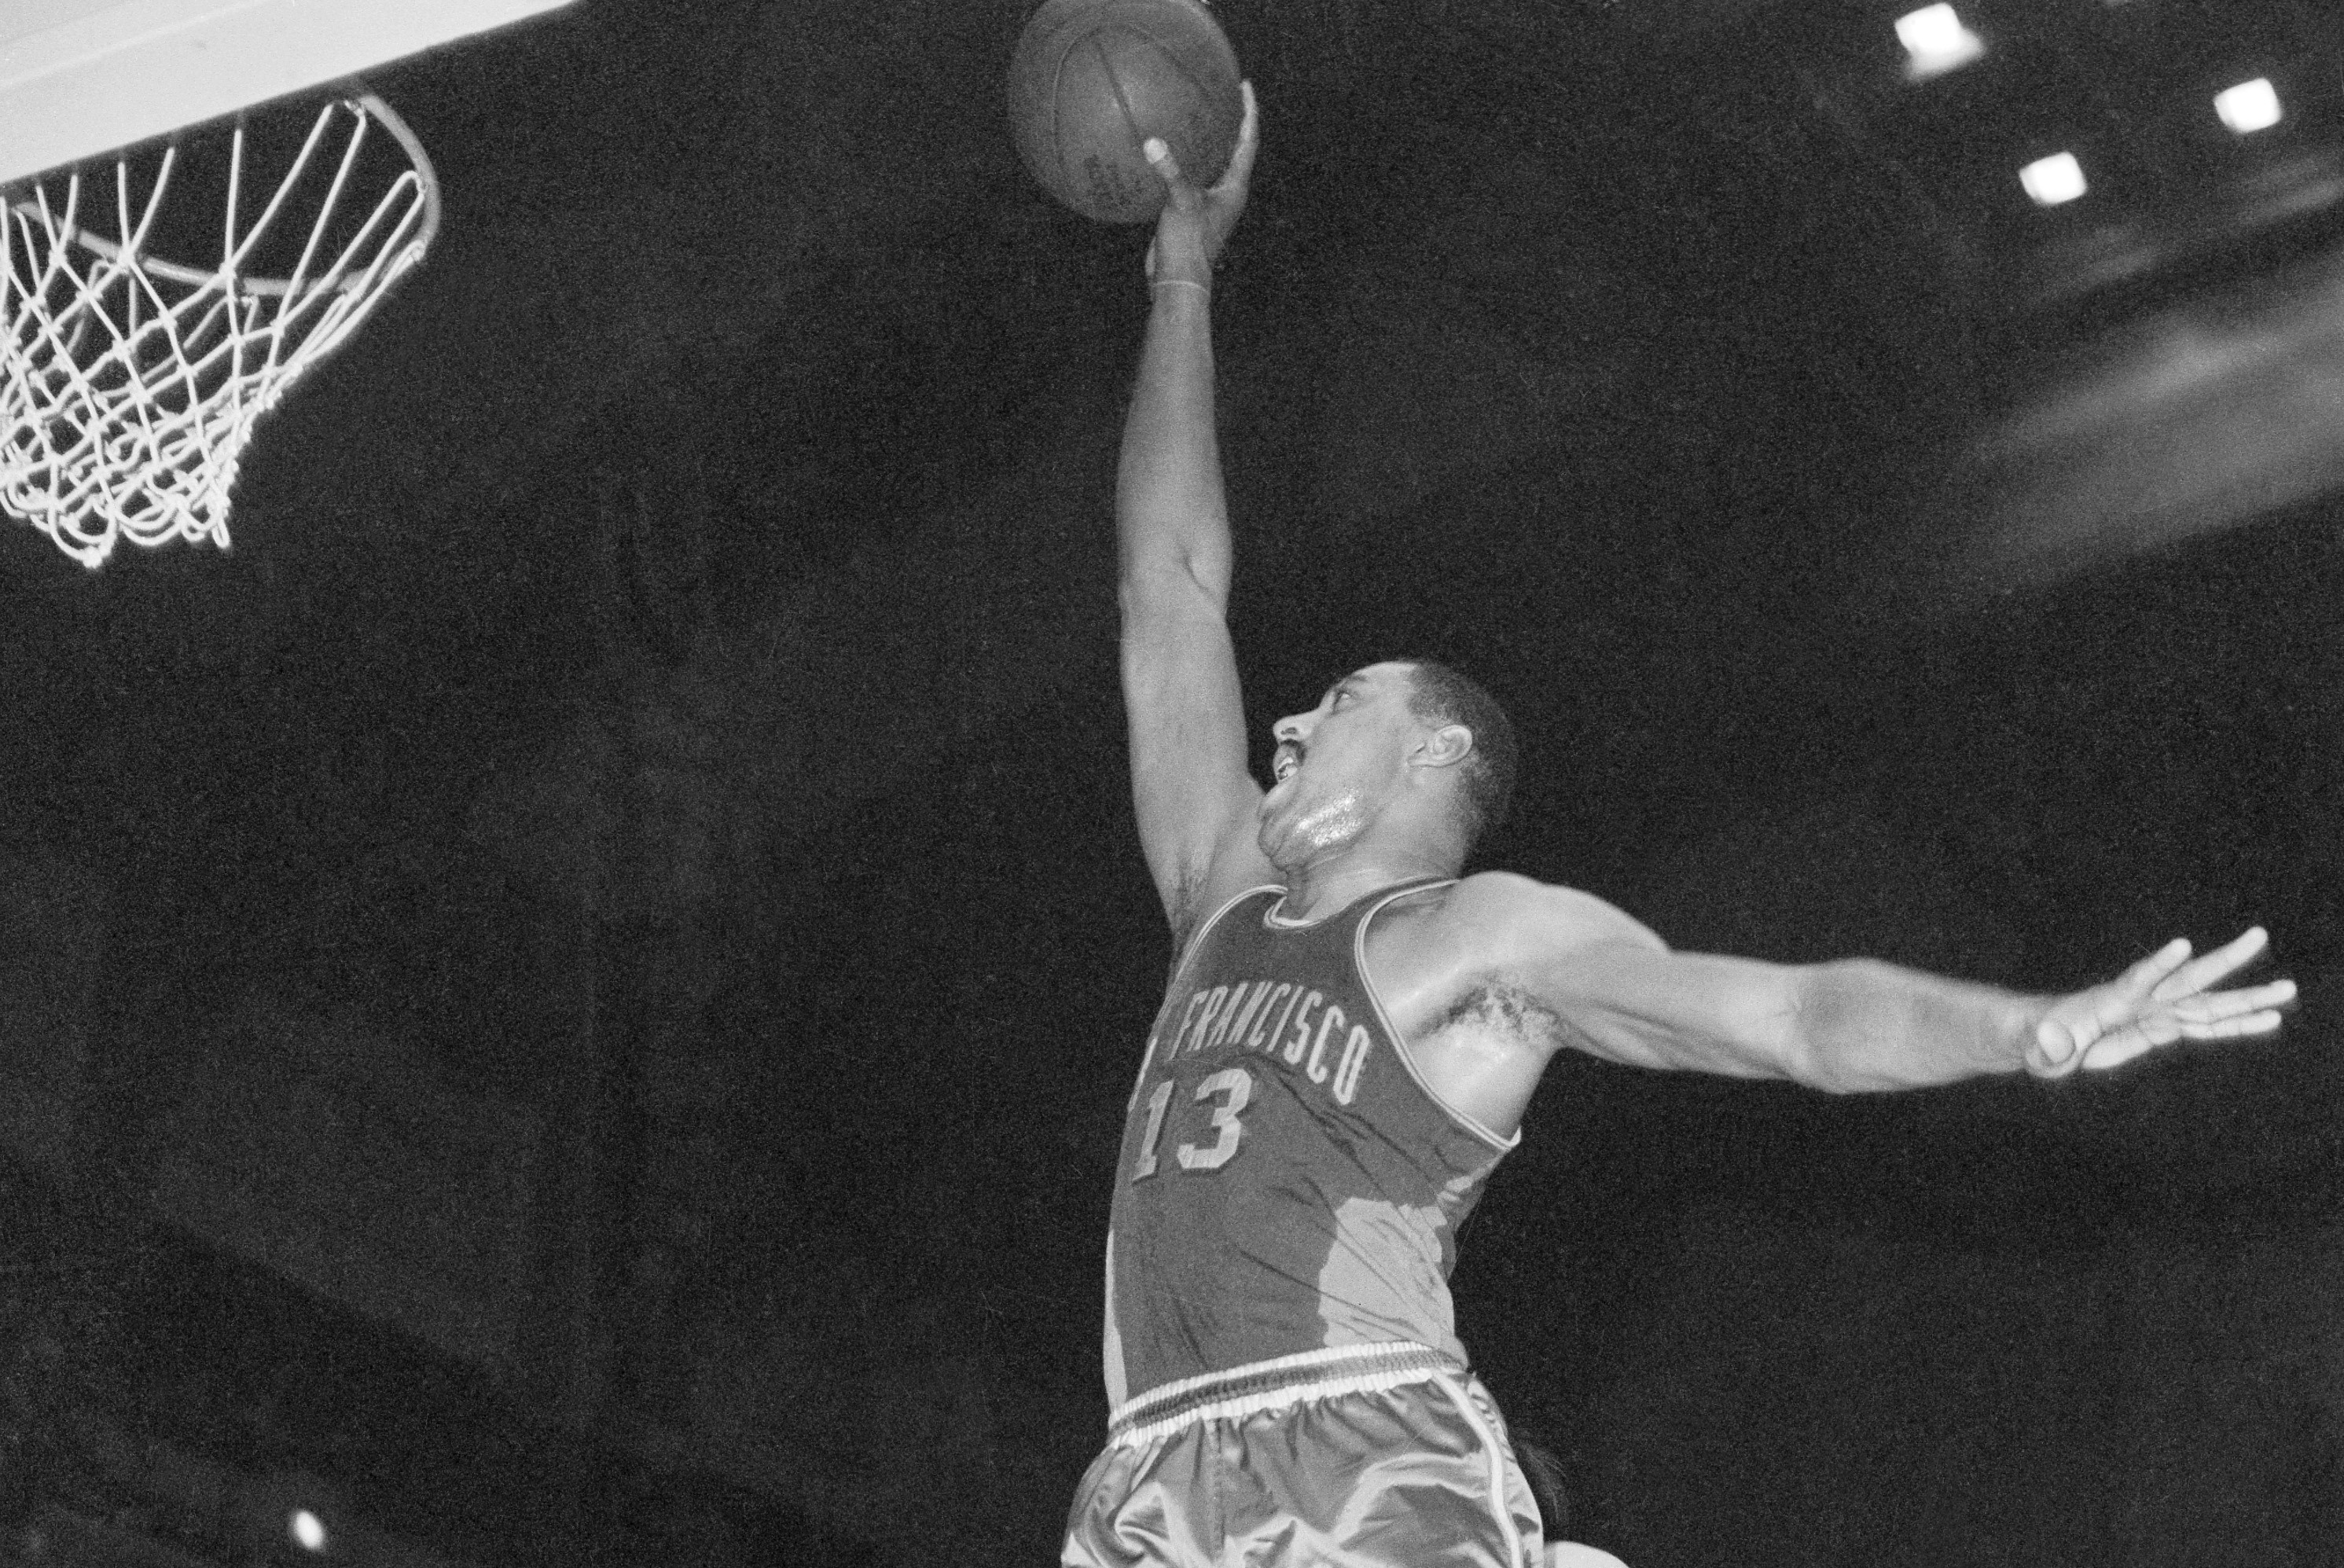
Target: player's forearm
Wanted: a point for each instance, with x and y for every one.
(1171, 511)
(1865, 1026)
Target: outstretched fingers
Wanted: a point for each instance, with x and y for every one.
(2218, 1015)
(1239, 174)
(2195, 1015)
(1196, 224)
(2156, 974)
(2259, 1022)
(1234, 179)
(2203, 973)
(2167, 996)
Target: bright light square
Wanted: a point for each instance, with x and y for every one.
(1931, 30)
(1937, 41)
(2249, 106)
(2053, 181)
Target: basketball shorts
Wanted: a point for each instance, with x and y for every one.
(1363, 1456)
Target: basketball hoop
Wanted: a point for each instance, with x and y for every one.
(129, 383)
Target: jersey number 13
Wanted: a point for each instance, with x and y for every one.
(1228, 1090)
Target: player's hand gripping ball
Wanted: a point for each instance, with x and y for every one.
(1093, 79)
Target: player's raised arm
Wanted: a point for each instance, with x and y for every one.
(1194, 799)
(1849, 1026)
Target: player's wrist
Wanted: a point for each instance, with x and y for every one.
(1182, 297)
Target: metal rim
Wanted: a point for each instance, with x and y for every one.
(356, 97)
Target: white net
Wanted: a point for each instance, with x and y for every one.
(129, 383)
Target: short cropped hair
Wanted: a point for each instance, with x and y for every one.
(1441, 695)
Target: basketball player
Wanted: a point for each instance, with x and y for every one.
(1352, 1034)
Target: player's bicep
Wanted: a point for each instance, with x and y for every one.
(1686, 1012)
(1622, 994)
(1194, 798)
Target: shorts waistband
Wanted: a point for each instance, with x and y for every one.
(1273, 1384)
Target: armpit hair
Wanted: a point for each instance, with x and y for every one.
(1497, 1005)
(1184, 910)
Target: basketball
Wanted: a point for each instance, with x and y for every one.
(1093, 79)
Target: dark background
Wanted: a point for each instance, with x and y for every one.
(577, 986)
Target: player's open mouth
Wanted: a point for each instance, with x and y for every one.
(1289, 758)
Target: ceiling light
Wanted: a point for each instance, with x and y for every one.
(2249, 106)
(308, 1531)
(2053, 181)
(1936, 42)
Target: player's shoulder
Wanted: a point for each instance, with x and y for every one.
(1239, 869)
(1504, 909)
(1496, 926)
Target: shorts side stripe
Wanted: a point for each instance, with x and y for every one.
(1497, 1450)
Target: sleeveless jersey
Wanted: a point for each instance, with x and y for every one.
(1287, 1183)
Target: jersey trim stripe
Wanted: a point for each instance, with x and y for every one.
(1215, 919)
(1116, 1391)
(1273, 921)
(1399, 1040)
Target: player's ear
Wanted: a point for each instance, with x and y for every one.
(1446, 746)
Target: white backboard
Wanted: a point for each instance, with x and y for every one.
(80, 77)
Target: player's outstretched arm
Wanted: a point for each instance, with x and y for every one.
(1194, 796)
(1855, 1024)
(1874, 1025)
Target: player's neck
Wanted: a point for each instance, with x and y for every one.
(1315, 890)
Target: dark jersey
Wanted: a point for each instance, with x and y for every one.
(1287, 1183)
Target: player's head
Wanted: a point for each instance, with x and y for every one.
(1485, 778)
(1407, 750)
